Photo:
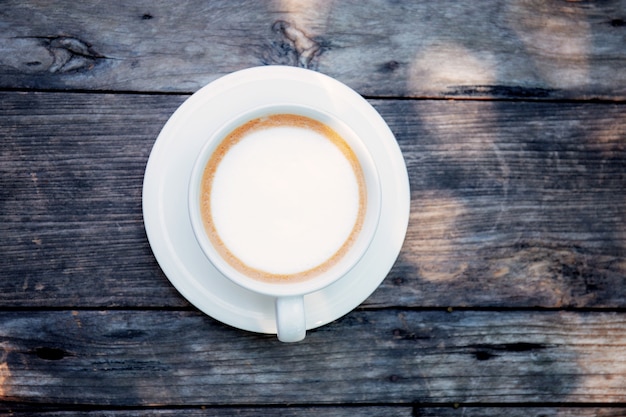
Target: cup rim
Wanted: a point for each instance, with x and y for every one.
(358, 249)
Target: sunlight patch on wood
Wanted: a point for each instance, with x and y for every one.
(443, 65)
(436, 216)
(555, 40)
(5, 374)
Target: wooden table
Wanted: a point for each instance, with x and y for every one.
(508, 297)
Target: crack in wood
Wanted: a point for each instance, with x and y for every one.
(504, 91)
(487, 351)
(50, 354)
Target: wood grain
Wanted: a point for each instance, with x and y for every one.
(508, 295)
(335, 411)
(513, 204)
(507, 49)
(152, 358)
(515, 198)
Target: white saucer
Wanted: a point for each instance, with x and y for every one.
(167, 174)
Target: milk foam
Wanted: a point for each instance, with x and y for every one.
(285, 199)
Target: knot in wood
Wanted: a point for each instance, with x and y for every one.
(292, 47)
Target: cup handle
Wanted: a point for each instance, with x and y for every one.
(290, 319)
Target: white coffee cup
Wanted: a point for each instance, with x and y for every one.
(284, 200)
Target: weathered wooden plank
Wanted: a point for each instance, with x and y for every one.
(518, 412)
(514, 197)
(513, 204)
(156, 358)
(285, 411)
(330, 411)
(70, 200)
(512, 49)
(521, 412)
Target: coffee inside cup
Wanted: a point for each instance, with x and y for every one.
(283, 198)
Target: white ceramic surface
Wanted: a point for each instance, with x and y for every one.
(165, 206)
